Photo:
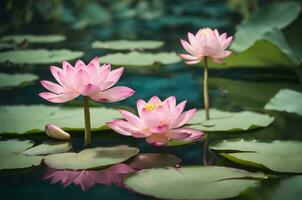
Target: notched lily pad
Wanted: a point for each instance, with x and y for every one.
(48, 147)
(127, 44)
(140, 59)
(286, 100)
(229, 121)
(194, 182)
(91, 158)
(13, 80)
(22, 119)
(280, 156)
(33, 38)
(38, 56)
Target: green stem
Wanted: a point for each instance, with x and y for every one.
(205, 89)
(87, 139)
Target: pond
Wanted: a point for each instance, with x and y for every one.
(250, 148)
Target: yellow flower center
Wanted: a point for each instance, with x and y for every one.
(152, 106)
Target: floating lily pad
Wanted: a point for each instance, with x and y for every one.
(22, 119)
(140, 59)
(265, 19)
(192, 182)
(39, 56)
(11, 80)
(230, 121)
(91, 158)
(12, 158)
(280, 156)
(286, 100)
(127, 44)
(48, 147)
(33, 38)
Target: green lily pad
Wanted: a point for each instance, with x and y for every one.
(280, 156)
(290, 188)
(48, 147)
(194, 182)
(91, 158)
(33, 38)
(11, 80)
(286, 100)
(12, 158)
(229, 121)
(127, 44)
(140, 59)
(273, 16)
(38, 56)
(22, 119)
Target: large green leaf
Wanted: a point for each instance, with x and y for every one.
(230, 121)
(11, 80)
(286, 100)
(33, 38)
(192, 182)
(140, 59)
(127, 44)
(48, 147)
(290, 188)
(276, 15)
(39, 56)
(91, 158)
(12, 158)
(280, 156)
(21, 119)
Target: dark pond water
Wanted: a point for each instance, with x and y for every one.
(230, 89)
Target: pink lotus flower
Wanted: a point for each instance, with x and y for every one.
(158, 122)
(90, 80)
(206, 43)
(88, 178)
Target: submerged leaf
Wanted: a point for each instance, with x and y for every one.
(192, 182)
(33, 38)
(91, 158)
(38, 56)
(280, 156)
(12, 80)
(229, 121)
(286, 100)
(127, 44)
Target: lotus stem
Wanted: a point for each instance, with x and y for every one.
(205, 153)
(87, 139)
(205, 89)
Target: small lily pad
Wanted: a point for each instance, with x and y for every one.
(39, 56)
(91, 158)
(33, 38)
(48, 147)
(194, 182)
(22, 119)
(280, 156)
(127, 44)
(140, 59)
(286, 100)
(12, 158)
(12, 80)
(229, 121)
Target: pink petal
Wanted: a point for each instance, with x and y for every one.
(157, 139)
(81, 78)
(188, 57)
(150, 118)
(113, 94)
(89, 90)
(187, 47)
(66, 66)
(79, 64)
(102, 75)
(140, 104)
(217, 60)
(113, 77)
(169, 103)
(154, 100)
(65, 80)
(61, 98)
(191, 133)
(131, 118)
(192, 62)
(54, 70)
(52, 87)
(193, 41)
(122, 127)
(184, 118)
(227, 42)
(92, 68)
(160, 129)
(223, 54)
(176, 134)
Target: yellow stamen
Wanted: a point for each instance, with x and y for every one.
(152, 106)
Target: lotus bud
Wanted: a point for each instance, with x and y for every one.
(55, 132)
